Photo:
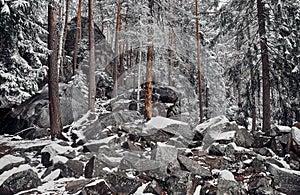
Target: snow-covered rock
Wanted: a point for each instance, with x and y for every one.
(20, 181)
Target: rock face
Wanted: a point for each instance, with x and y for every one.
(34, 112)
(20, 181)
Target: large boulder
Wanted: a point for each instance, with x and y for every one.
(95, 130)
(20, 181)
(35, 111)
(217, 129)
(286, 181)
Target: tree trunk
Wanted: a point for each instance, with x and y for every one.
(265, 67)
(92, 83)
(148, 96)
(66, 21)
(61, 39)
(54, 105)
(171, 57)
(115, 74)
(77, 36)
(199, 66)
(139, 64)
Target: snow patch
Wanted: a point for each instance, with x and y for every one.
(160, 122)
(52, 176)
(10, 159)
(4, 176)
(141, 189)
(296, 135)
(284, 129)
(226, 175)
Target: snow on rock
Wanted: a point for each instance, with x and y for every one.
(226, 175)
(160, 122)
(10, 160)
(52, 176)
(296, 135)
(284, 129)
(7, 174)
(212, 122)
(55, 149)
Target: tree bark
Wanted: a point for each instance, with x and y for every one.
(265, 67)
(61, 40)
(92, 83)
(77, 36)
(148, 96)
(66, 21)
(171, 57)
(199, 67)
(148, 90)
(115, 73)
(54, 105)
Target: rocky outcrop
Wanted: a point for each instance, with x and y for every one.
(33, 117)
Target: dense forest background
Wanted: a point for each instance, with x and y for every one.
(230, 51)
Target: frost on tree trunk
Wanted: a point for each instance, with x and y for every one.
(54, 106)
(92, 84)
(199, 67)
(265, 67)
(77, 36)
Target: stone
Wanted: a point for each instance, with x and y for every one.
(243, 138)
(164, 154)
(135, 162)
(183, 130)
(96, 187)
(94, 131)
(74, 187)
(72, 168)
(8, 162)
(227, 183)
(261, 140)
(260, 184)
(286, 181)
(167, 94)
(217, 150)
(176, 186)
(194, 167)
(120, 184)
(4, 150)
(218, 129)
(154, 188)
(155, 135)
(34, 133)
(277, 147)
(20, 181)
(34, 112)
(96, 165)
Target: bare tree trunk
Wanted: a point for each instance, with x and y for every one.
(61, 39)
(171, 57)
(92, 83)
(54, 105)
(199, 66)
(265, 67)
(148, 96)
(139, 64)
(66, 21)
(77, 36)
(115, 74)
